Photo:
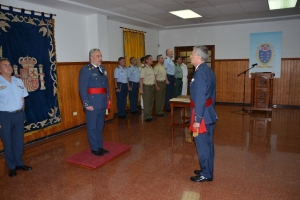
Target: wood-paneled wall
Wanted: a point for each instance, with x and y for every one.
(69, 99)
(286, 89)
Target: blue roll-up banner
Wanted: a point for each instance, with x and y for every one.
(265, 50)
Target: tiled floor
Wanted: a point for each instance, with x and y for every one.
(257, 157)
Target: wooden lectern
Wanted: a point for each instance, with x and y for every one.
(262, 91)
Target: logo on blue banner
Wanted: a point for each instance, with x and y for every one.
(265, 54)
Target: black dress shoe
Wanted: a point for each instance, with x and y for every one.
(161, 115)
(97, 153)
(24, 167)
(148, 120)
(12, 173)
(200, 179)
(124, 117)
(136, 112)
(153, 119)
(103, 150)
(197, 172)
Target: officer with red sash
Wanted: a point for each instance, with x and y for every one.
(94, 92)
(203, 115)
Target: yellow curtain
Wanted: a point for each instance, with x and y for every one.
(134, 44)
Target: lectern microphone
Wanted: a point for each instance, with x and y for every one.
(254, 65)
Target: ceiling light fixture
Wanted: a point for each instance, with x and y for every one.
(185, 14)
(281, 4)
(189, 2)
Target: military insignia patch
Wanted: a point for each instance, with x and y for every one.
(89, 68)
(93, 68)
(105, 73)
(94, 74)
(2, 87)
(21, 87)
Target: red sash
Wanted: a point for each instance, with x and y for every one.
(97, 91)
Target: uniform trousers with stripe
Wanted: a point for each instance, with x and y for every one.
(160, 97)
(148, 97)
(95, 124)
(205, 148)
(122, 98)
(133, 96)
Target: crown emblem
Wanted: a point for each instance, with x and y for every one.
(27, 62)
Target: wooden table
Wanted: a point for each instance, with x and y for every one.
(180, 102)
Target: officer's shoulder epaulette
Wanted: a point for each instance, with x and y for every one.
(19, 77)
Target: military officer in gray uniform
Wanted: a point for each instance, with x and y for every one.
(94, 92)
(12, 117)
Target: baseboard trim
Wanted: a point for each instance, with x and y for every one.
(248, 104)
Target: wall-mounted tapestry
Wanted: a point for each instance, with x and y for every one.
(27, 40)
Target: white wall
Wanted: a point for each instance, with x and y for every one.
(232, 41)
(115, 39)
(98, 34)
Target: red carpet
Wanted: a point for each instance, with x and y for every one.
(89, 160)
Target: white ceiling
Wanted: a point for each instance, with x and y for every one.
(155, 14)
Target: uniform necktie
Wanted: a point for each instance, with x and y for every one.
(100, 70)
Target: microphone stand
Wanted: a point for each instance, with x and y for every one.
(244, 111)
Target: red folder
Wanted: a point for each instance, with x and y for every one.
(108, 103)
(202, 129)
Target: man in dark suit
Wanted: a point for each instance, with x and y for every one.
(203, 97)
(94, 92)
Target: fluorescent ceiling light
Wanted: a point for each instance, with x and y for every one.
(281, 4)
(185, 14)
